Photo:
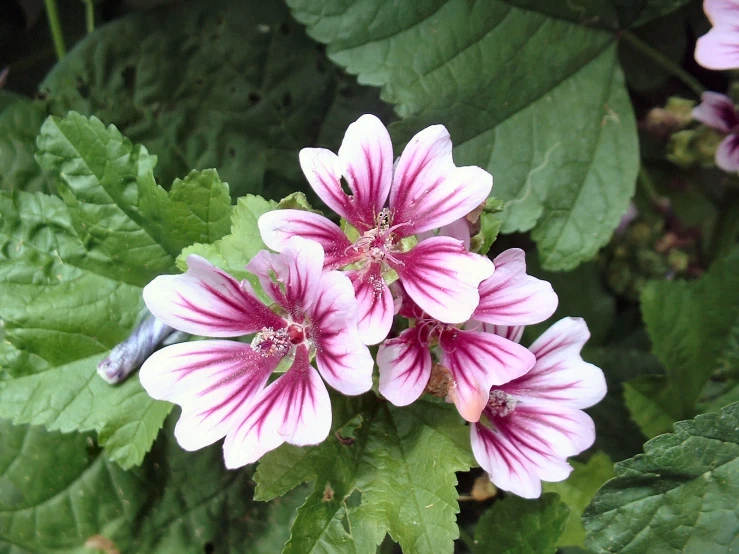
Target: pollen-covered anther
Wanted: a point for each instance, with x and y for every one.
(501, 403)
(269, 342)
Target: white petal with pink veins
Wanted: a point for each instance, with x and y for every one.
(324, 171)
(511, 297)
(375, 304)
(513, 466)
(442, 278)
(295, 408)
(367, 154)
(211, 380)
(278, 226)
(560, 374)
(208, 301)
(291, 277)
(428, 190)
(458, 229)
(478, 361)
(405, 367)
(343, 360)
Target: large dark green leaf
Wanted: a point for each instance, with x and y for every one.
(58, 494)
(212, 83)
(679, 496)
(692, 330)
(532, 95)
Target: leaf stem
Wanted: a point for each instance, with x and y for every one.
(647, 186)
(466, 538)
(89, 16)
(664, 62)
(56, 28)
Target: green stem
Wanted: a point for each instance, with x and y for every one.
(466, 538)
(647, 186)
(56, 28)
(90, 16)
(664, 62)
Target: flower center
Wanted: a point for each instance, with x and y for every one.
(380, 243)
(269, 342)
(501, 403)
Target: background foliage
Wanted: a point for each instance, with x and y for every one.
(175, 124)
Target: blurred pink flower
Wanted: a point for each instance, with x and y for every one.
(719, 48)
(718, 112)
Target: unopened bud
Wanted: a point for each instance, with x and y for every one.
(440, 381)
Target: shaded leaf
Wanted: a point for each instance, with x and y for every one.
(521, 526)
(679, 496)
(561, 143)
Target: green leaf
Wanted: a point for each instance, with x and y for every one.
(690, 324)
(20, 122)
(679, 496)
(577, 492)
(518, 526)
(616, 434)
(560, 142)
(581, 293)
(213, 83)
(401, 461)
(71, 278)
(119, 211)
(232, 252)
(58, 494)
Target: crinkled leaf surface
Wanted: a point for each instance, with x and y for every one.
(20, 122)
(71, 277)
(520, 526)
(212, 83)
(679, 496)
(577, 491)
(691, 325)
(177, 502)
(402, 461)
(532, 95)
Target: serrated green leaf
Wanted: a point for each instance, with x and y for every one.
(213, 83)
(71, 278)
(20, 122)
(518, 526)
(402, 462)
(560, 142)
(117, 208)
(58, 494)
(232, 252)
(577, 492)
(690, 325)
(679, 496)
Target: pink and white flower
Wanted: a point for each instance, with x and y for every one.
(387, 204)
(718, 112)
(476, 359)
(532, 424)
(221, 384)
(719, 48)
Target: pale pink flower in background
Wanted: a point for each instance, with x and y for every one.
(386, 204)
(532, 424)
(476, 359)
(719, 48)
(718, 112)
(221, 384)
